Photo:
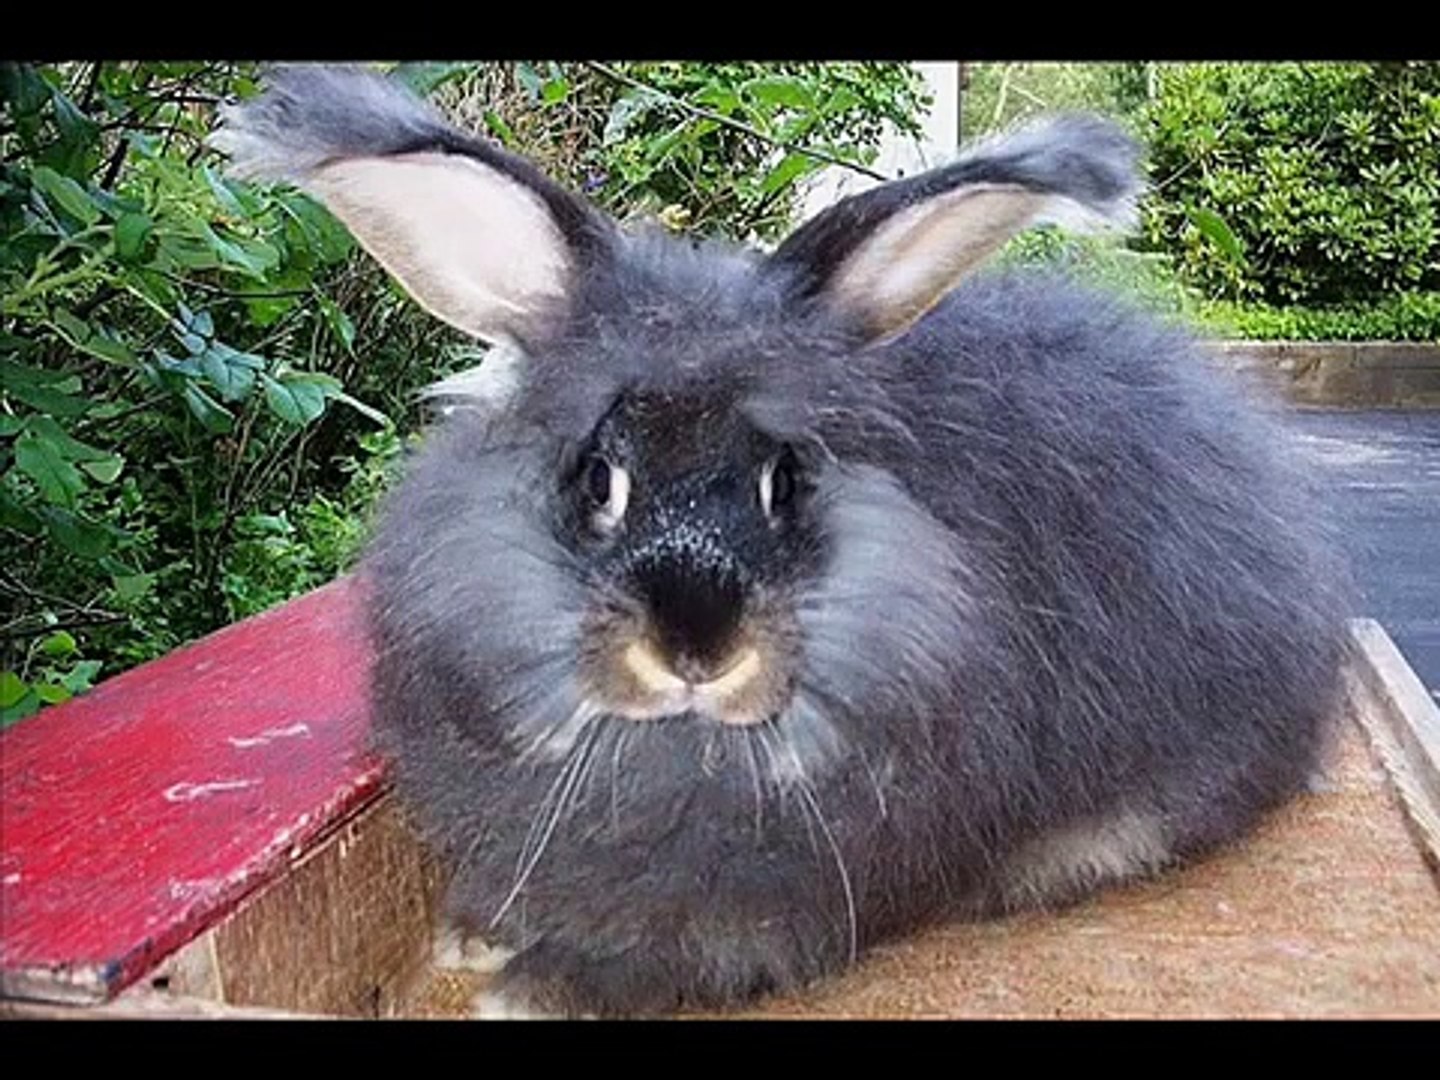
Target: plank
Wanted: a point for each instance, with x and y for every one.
(1403, 723)
(345, 932)
(140, 814)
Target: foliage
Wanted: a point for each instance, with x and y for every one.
(1147, 278)
(1000, 95)
(713, 148)
(1150, 278)
(175, 347)
(1287, 200)
(1326, 174)
(203, 384)
(1404, 316)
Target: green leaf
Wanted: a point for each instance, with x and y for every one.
(9, 425)
(791, 167)
(780, 90)
(22, 85)
(232, 254)
(554, 91)
(78, 534)
(841, 100)
(74, 329)
(17, 516)
(58, 644)
(321, 229)
(106, 469)
(82, 676)
(108, 348)
(131, 232)
(58, 480)
(12, 689)
(132, 586)
(223, 195)
(426, 77)
(214, 416)
(658, 149)
(52, 694)
(75, 127)
(340, 324)
(1214, 228)
(499, 128)
(26, 706)
(66, 194)
(232, 373)
(50, 401)
(297, 399)
(719, 97)
(69, 447)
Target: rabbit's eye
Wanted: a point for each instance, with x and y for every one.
(778, 482)
(608, 487)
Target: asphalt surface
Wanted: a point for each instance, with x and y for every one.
(1382, 470)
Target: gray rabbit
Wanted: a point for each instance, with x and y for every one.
(745, 610)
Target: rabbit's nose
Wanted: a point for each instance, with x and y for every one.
(695, 614)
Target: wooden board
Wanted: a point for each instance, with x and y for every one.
(140, 814)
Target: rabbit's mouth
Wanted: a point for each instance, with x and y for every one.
(671, 693)
(632, 679)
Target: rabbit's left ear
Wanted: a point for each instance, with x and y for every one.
(886, 256)
(478, 236)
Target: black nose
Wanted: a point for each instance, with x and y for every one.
(696, 612)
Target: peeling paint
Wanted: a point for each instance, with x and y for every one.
(10, 879)
(187, 890)
(243, 742)
(185, 790)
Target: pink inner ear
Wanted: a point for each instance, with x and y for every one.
(472, 246)
(915, 257)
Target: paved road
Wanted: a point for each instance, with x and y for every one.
(1383, 471)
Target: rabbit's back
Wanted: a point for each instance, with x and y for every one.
(1165, 610)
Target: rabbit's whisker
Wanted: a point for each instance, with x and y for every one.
(568, 781)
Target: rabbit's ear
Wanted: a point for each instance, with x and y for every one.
(477, 235)
(888, 254)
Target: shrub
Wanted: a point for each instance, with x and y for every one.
(1327, 174)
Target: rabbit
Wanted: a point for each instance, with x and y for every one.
(745, 609)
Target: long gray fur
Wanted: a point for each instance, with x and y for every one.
(1055, 570)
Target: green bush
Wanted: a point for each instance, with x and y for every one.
(713, 148)
(1406, 316)
(1326, 174)
(1150, 279)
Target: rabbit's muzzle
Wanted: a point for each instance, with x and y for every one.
(698, 641)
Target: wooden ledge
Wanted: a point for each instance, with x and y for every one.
(142, 813)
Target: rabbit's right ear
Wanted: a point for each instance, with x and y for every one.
(478, 236)
(885, 256)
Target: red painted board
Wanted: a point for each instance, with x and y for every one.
(137, 815)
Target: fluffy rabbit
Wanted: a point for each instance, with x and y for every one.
(745, 610)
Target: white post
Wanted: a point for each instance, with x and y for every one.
(900, 155)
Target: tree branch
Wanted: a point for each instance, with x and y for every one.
(721, 118)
